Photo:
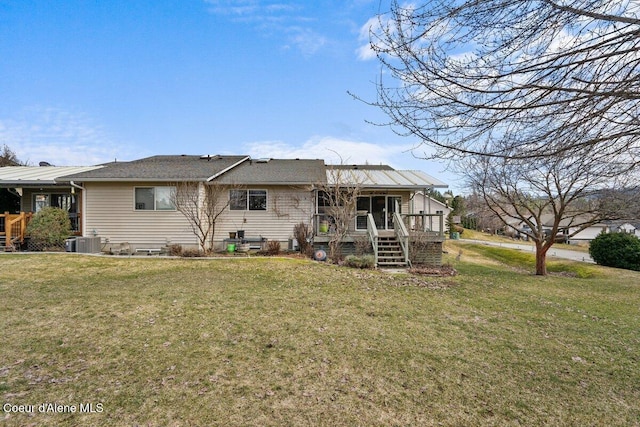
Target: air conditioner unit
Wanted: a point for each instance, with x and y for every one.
(88, 245)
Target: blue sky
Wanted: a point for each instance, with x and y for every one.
(85, 82)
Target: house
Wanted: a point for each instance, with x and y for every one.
(569, 233)
(263, 198)
(594, 230)
(36, 187)
(432, 209)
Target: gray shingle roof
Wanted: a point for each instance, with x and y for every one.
(160, 168)
(243, 170)
(276, 172)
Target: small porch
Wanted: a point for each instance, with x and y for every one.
(403, 240)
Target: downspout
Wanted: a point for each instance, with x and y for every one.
(84, 205)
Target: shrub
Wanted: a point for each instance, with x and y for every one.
(273, 247)
(192, 253)
(362, 245)
(618, 250)
(303, 234)
(364, 261)
(174, 250)
(49, 228)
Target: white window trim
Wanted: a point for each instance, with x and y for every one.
(246, 208)
(135, 208)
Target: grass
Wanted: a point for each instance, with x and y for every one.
(526, 261)
(487, 237)
(292, 342)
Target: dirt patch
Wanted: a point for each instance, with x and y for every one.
(428, 282)
(441, 271)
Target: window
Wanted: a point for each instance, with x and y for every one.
(154, 199)
(67, 202)
(40, 201)
(253, 200)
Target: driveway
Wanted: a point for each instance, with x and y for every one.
(553, 252)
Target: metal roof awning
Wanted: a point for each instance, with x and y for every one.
(376, 178)
(17, 176)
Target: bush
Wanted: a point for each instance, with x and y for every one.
(362, 245)
(364, 261)
(303, 234)
(49, 228)
(192, 253)
(175, 250)
(273, 247)
(618, 250)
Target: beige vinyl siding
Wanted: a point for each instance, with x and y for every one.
(109, 212)
(286, 206)
(27, 199)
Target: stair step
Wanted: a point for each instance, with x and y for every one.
(390, 253)
(389, 256)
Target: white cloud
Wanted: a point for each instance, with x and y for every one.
(250, 10)
(336, 150)
(306, 40)
(332, 150)
(277, 19)
(365, 52)
(59, 137)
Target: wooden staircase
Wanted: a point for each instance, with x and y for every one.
(8, 246)
(390, 253)
(13, 229)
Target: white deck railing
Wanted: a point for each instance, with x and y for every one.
(372, 231)
(402, 235)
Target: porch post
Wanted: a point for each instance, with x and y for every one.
(23, 226)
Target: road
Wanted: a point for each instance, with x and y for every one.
(553, 252)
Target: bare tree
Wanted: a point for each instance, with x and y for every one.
(201, 204)
(479, 216)
(542, 97)
(340, 193)
(9, 201)
(9, 158)
(551, 196)
(512, 78)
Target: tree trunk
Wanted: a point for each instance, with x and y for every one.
(541, 259)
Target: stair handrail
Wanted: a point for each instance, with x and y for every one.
(402, 235)
(372, 231)
(17, 223)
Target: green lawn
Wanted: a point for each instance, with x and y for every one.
(243, 342)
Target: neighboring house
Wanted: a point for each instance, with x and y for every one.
(131, 201)
(36, 188)
(432, 209)
(625, 227)
(569, 233)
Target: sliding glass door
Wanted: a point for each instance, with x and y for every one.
(381, 208)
